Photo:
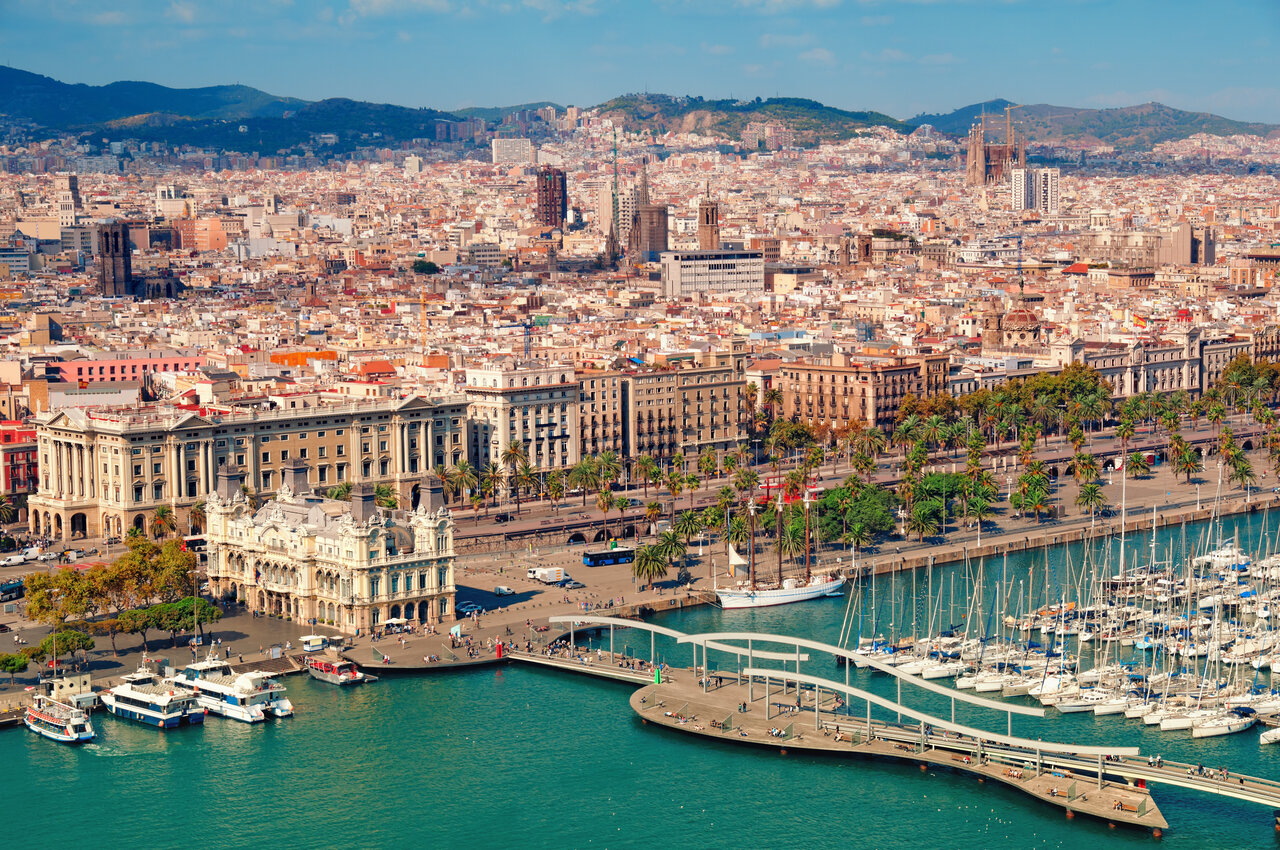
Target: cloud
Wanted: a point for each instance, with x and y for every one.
(889, 54)
(110, 19)
(938, 59)
(773, 39)
(771, 7)
(877, 20)
(182, 11)
(716, 49)
(818, 56)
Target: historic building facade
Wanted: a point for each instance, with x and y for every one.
(349, 565)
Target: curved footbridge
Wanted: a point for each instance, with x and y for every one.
(787, 708)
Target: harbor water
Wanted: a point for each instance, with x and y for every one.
(526, 757)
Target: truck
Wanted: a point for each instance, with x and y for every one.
(546, 575)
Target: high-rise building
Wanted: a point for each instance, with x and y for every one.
(1047, 190)
(687, 273)
(512, 151)
(412, 165)
(67, 191)
(708, 223)
(553, 199)
(1035, 189)
(115, 260)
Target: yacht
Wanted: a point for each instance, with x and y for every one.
(58, 721)
(792, 590)
(144, 697)
(248, 697)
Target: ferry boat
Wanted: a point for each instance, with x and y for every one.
(337, 672)
(248, 697)
(792, 590)
(144, 697)
(58, 721)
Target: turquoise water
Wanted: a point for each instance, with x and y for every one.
(519, 757)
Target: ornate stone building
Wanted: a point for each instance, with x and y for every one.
(349, 565)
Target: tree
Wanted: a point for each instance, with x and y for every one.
(512, 456)
(174, 572)
(790, 543)
(7, 510)
(1241, 471)
(197, 517)
(555, 488)
(608, 468)
(1136, 465)
(708, 465)
(163, 522)
(14, 664)
(1091, 499)
(425, 267)
(978, 510)
(649, 565)
(582, 477)
(65, 641)
(1085, 468)
(493, 480)
(525, 478)
(674, 483)
(109, 626)
(340, 492)
(924, 519)
(652, 512)
(604, 501)
(648, 471)
(385, 495)
(1186, 461)
(464, 478)
(689, 524)
(670, 546)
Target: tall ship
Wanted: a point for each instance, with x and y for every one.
(58, 721)
(145, 698)
(248, 697)
(792, 590)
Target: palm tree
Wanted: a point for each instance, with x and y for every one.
(1091, 498)
(649, 564)
(1124, 433)
(512, 456)
(524, 478)
(648, 471)
(476, 501)
(7, 510)
(555, 488)
(384, 495)
(604, 501)
(978, 509)
(196, 517)
(1241, 471)
(923, 519)
(1186, 461)
(688, 525)
(790, 544)
(163, 522)
(772, 399)
(340, 492)
(670, 546)
(582, 477)
(1136, 465)
(932, 431)
(691, 484)
(251, 496)
(751, 391)
(492, 479)
(708, 465)
(675, 486)
(652, 512)
(869, 441)
(464, 477)
(1085, 468)
(608, 468)
(1036, 498)
(860, 536)
(746, 480)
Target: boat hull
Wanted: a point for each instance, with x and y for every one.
(730, 598)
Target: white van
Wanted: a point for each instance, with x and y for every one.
(503, 590)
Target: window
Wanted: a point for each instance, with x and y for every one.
(240, 460)
(319, 433)
(302, 453)
(442, 578)
(284, 454)
(324, 451)
(395, 579)
(364, 468)
(324, 474)
(158, 490)
(137, 493)
(382, 446)
(266, 480)
(137, 469)
(191, 465)
(266, 457)
(364, 447)
(342, 449)
(382, 468)
(374, 584)
(342, 472)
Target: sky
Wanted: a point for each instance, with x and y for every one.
(901, 57)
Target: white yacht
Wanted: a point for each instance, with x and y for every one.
(144, 697)
(792, 590)
(249, 697)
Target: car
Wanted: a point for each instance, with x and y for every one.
(573, 585)
(468, 608)
(503, 590)
(48, 556)
(502, 518)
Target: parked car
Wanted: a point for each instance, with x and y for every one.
(466, 609)
(48, 556)
(573, 585)
(502, 518)
(503, 590)
(14, 561)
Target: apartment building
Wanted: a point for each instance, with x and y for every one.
(105, 470)
(846, 390)
(528, 403)
(600, 412)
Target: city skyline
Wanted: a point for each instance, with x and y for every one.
(901, 57)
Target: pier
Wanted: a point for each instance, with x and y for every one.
(792, 709)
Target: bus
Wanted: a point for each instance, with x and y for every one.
(12, 589)
(606, 557)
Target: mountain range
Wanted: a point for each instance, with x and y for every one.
(242, 118)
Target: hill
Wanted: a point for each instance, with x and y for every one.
(46, 102)
(812, 122)
(495, 114)
(1126, 127)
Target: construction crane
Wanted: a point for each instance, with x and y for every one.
(528, 336)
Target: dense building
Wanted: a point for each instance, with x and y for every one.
(693, 273)
(988, 162)
(105, 470)
(512, 152)
(115, 260)
(553, 199)
(350, 565)
(601, 412)
(18, 465)
(1035, 189)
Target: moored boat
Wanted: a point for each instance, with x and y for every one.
(145, 698)
(792, 590)
(248, 697)
(57, 721)
(339, 672)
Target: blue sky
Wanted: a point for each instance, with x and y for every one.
(897, 56)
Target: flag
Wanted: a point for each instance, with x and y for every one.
(1139, 321)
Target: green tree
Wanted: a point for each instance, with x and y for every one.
(65, 641)
(340, 492)
(163, 522)
(1136, 465)
(689, 524)
(197, 517)
(385, 495)
(425, 267)
(512, 456)
(582, 477)
(608, 468)
(14, 664)
(649, 565)
(708, 466)
(7, 510)
(924, 518)
(1091, 499)
(648, 471)
(604, 501)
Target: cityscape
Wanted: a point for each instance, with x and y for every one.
(627, 461)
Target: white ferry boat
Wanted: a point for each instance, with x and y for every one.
(144, 697)
(58, 721)
(248, 697)
(792, 590)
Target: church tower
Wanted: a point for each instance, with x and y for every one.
(708, 223)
